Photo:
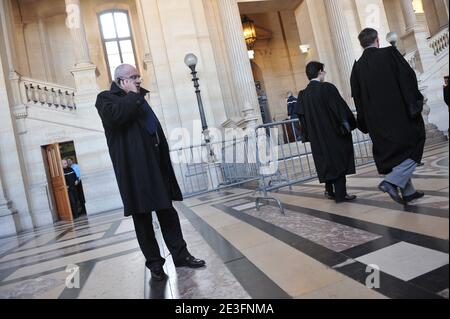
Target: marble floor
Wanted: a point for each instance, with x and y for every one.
(370, 249)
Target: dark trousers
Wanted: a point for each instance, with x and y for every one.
(171, 231)
(337, 187)
(81, 199)
(73, 198)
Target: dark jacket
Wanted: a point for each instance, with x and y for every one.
(383, 85)
(322, 113)
(71, 178)
(141, 161)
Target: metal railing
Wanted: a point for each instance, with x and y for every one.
(270, 158)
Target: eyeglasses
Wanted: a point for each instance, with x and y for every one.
(133, 77)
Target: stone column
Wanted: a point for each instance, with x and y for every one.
(75, 24)
(241, 71)
(7, 224)
(84, 71)
(46, 52)
(342, 43)
(409, 14)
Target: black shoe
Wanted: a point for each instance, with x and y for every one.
(158, 274)
(414, 196)
(392, 190)
(191, 262)
(329, 195)
(347, 198)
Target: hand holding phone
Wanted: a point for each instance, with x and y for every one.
(128, 85)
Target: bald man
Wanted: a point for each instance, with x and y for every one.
(144, 172)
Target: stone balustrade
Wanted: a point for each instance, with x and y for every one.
(52, 95)
(439, 42)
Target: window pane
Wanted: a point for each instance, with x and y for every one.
(107, 23)
(128, 58)
(123, 29)
(126, 46)
(112, 47)
(114, 60)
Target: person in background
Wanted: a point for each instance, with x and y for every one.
(291, 107)
(80, 193)
(71, 184)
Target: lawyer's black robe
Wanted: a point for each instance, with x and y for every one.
(383, 84)
(322, 111)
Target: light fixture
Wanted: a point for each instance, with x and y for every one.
(392, 38)
(249, 32)
(305, 48)
(251, 54)
(191, 60)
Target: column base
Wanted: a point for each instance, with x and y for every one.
(433, 134)
(7, 221)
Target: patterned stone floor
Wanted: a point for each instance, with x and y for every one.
(372, 248)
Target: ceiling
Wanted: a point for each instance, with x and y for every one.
(251, 7)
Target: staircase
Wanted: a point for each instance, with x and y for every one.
(430, 76)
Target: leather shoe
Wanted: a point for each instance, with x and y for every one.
(414, 196)
(329, 195)
(190, 262)
(347, 198)
(158, 274)
(392, 190)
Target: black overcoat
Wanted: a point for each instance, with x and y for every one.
(383, 84)
(141, 161)
(322, 111)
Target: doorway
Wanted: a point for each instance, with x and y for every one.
(69, 204)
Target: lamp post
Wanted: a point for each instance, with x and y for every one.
(191, 61)
(392, 38)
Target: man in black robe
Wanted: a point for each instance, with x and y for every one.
(327, 123)
(389, 104)
(144, 172)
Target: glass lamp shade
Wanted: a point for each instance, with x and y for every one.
(191, 60)
(392, 38)
(249, 32)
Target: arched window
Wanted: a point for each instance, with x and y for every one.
(117, 39)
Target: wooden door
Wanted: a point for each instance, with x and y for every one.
(58, 182)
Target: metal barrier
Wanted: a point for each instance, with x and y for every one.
(294, 162)
(273, 157)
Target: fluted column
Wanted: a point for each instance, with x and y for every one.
(342, 43)
(241, 70)
(84, 71)
(76, 26)
(408, 14)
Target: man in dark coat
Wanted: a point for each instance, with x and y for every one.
(389, 103)
(291, 107)
(327, 122)
(71, 184)
(144, 172)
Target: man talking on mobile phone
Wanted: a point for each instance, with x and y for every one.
(144, 172)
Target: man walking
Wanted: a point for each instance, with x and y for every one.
(389, 106)
(327, 122)
(141, 160)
